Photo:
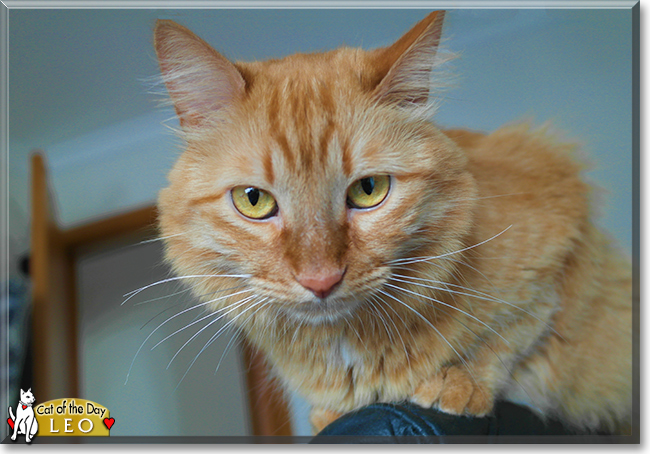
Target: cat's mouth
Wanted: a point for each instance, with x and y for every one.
(322, 310)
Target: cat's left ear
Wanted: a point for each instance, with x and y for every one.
(405, 67)
(199, 79)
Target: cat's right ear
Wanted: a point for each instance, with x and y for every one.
(199, 80)
(404, 68)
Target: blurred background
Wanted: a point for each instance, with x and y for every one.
(81, 89)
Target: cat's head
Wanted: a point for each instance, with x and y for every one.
(27, 397)
(308, 175)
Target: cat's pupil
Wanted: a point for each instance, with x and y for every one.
(368, 185)
(253, 195)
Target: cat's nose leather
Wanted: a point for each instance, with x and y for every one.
(321, 283)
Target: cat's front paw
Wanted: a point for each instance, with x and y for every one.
(454, 391)
(321, 418)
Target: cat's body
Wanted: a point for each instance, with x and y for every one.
(469, 270)
(24, 421)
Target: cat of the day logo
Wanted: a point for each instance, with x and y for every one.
(59, 418)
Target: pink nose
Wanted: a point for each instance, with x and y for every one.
(321, 283)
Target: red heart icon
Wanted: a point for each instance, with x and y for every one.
(108, 422)
(11, 423)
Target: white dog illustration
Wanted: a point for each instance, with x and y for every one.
(24, 421)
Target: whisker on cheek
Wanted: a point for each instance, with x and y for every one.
(133, 293)
(204, 304)
(456, 352)
(411, 260)
(230, 308)
(428, 298)
(211, 314)
(212, 339)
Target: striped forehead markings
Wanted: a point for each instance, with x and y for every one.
(302, 112)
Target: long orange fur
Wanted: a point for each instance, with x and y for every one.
(480, 277)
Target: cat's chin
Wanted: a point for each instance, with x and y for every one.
(322, 311)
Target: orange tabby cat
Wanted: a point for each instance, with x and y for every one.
(376, 258)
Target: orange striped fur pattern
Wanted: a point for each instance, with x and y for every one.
(478, 276)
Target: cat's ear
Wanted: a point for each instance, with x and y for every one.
(199, 80)
(405, 67)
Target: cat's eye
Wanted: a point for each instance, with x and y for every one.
(368, 192)
(254, 203)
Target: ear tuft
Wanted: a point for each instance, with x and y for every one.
(200, 81)
(406, 66)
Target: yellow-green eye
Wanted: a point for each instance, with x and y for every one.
(254, 203)
(368, 192)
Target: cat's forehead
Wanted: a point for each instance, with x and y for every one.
(309, 125)
(306, 111)
(301, 88)
(344, 67)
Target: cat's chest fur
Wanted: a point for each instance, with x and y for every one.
(343, 373)
(343, 355)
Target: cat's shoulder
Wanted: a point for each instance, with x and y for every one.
(527, 171)
(522, 155)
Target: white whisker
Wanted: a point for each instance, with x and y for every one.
(161, 238)
(132, 293)
(469, 370)
(483, 296)
(472, 268)
(356, 332)
(498, 357)
(183, 302)
(447, 305)
(411, 260)
(478, 295)
(163, 297)
(165, 322)
(225, 352)
(214, 337)
(381, 319)
(406, 354)
(490, 196)
(162, 312)
(231, 308)
(194, 322)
